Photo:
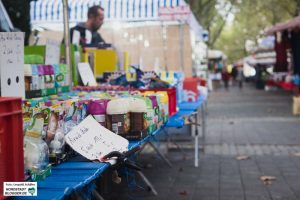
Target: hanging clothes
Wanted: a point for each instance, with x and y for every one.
(282, 43)
(296, 51)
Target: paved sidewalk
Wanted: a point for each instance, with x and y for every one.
(249, 122)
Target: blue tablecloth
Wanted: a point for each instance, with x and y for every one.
(67, 178)
(185, 109)
(177, 120)
(191, 105)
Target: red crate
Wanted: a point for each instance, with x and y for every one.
(190, 88)
(172, 97)
(11, 141)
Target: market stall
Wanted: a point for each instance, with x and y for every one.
(287, 53)
(129, 27)
(57, 116)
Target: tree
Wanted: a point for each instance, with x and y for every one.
(212, 15)
(251, 18)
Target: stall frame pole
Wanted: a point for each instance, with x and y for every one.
(181, 44)
(67, 39)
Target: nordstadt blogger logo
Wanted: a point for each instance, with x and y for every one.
(19, 189)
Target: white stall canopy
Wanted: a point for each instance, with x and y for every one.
(49, 13)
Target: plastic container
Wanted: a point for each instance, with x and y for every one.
(47, 77)
(97, 108)
(41, 73)
(64, 70)
(155, 107)
(118, 120)
(165, 105)
(160, 110)
(138, 115)
(36, 152)
(28, 77)
(171, 94)
(190, 89)
(150, 114)
(11, 141)
(35, 84)
(52, 75)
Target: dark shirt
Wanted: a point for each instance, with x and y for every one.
(225, 76)
(96, 37)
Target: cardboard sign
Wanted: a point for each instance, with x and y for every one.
(93, 141)
(86, 74)
(12, 64)
(52, 52)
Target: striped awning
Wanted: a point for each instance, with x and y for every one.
(51, 11)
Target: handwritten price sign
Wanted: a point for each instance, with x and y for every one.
(52, 52)
(12, 64)
(93, 141)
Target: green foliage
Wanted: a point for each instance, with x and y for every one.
(209, 16)
(251, 19)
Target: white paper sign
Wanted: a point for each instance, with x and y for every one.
(86, 74)
(76, 37)
(52, 52)
(88, 36)
(12, 64)
(93, 141)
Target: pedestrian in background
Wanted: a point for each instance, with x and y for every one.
(234, 74)
(240, 76)
(225, 78)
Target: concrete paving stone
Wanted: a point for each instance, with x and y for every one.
(258, 150)
(257, 197)
(263, 128)
(181, 192)
(209, 149)
(280, 196)
(208, 184)
(204, 193)
(231, 197)
(241, 150)
(200, 196)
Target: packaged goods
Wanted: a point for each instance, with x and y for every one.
(97, 108)
(118, 119)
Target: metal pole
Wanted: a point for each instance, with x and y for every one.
(67, 39)
(148, 183)
(196, 149)
(160, 154)
(207, 81)
(203, 115)
(164, 36)
(207, 70)
(181, 45)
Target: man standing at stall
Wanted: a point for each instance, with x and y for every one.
(86, 33)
